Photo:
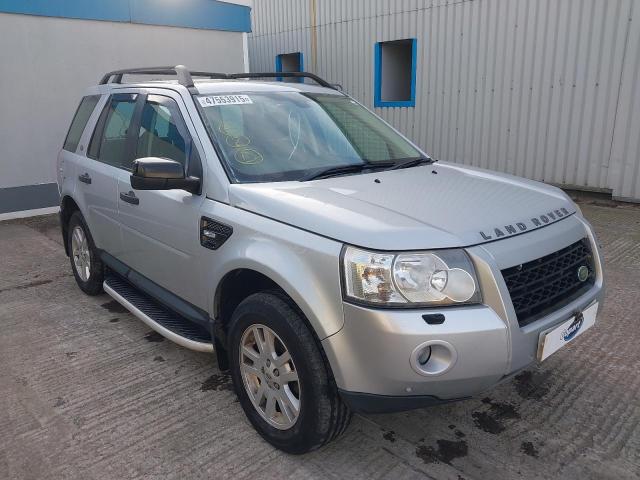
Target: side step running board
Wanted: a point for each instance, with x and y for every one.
(164, 321)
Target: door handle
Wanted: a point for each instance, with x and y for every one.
(129, 197)
(85, 178)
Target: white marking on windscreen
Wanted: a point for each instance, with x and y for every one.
(219, 100)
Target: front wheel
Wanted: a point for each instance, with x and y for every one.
(281, 376)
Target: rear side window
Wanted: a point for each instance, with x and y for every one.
(109, 142)
(80, 121)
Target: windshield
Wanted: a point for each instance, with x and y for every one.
(267, 137)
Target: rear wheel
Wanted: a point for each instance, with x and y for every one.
(281, 377)
(85, 261)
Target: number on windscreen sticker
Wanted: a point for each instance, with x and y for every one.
(217, 100)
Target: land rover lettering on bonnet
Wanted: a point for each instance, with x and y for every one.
(519, 227)
(331, 265)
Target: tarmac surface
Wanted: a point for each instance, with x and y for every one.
(88, 392)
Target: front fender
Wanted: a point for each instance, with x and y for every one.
(305, 265)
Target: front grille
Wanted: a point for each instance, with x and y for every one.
(550, 282)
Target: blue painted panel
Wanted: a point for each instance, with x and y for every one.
(202, 14)
(414, 69)
(111, 10)
(278, 67)
(377, 77)
(206, 14)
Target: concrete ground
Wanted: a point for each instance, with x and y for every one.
(87, 391)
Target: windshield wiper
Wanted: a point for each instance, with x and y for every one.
(412, 162)
(345, 169)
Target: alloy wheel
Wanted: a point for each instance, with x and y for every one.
(80, 253)
(270, 376)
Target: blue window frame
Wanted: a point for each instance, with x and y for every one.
(290, 62)
(395, 73)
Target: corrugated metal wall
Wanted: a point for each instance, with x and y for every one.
(546, 89)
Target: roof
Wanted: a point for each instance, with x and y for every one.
(216, 86)
(222, 86)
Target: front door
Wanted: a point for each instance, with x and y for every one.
(160, 228)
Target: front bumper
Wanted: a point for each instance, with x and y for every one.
(373, 355)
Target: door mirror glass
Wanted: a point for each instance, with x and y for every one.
(153, 173)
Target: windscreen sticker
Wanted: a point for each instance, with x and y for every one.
(217, 100)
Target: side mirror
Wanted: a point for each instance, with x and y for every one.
(153, 173)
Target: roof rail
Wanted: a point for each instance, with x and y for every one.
(185, 75)
(312, 76)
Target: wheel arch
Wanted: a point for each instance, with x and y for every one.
(241, 282)
(67, 206)
(234, 287)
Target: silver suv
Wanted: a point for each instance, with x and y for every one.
(330, 264)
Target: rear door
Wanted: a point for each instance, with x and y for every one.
(160, 228)
(74, 144)
(97, 174)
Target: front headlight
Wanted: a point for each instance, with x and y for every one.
(442, 277)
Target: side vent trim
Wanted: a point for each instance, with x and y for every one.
(213, 234)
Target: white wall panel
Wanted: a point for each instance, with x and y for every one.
(624, 174)
(47, 64)
(547, 89)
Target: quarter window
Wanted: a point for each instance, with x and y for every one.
(84, 111)
(162, 132)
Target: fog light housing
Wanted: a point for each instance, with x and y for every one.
(424, 355)
(433, 358)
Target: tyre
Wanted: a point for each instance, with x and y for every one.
(85, 261)
(282, 377)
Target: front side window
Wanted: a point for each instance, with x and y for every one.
(84, 111)
(111, 146)
(161, 132)
(265, 137)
